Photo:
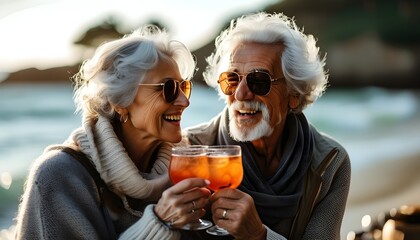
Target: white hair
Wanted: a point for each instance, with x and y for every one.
(300, 61)
(111, 77)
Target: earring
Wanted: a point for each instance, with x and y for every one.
(291, 107)
(294, 102)
(123, 118)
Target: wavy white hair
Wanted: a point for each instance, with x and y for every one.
(111, 77)
(300, 61)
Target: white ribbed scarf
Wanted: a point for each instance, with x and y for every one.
(99, 142)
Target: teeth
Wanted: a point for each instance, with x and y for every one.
(247, 112)
(172, 117)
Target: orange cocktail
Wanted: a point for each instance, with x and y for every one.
(190, 162)
(187, 165)
(224, 171)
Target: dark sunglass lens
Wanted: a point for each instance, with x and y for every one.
(259, 82)
(170, 90)
(186, 87)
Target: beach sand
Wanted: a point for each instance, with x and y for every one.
(378, 188)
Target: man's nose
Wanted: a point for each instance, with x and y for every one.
(242, 91)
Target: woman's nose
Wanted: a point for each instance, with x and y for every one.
(182, 100)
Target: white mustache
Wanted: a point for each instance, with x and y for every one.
(249, 134)
(251, 106)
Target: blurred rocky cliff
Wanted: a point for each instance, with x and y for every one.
(367, 42)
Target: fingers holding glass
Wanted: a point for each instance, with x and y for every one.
(181, 214)
(222, 218)
(189, 216)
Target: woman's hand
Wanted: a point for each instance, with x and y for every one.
(235, 211)
(184, 202)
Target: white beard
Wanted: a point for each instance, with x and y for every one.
(243, 134)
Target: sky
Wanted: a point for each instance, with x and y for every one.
(40, 33)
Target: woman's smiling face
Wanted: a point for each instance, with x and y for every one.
(149, 111)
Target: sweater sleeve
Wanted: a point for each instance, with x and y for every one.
(326, 219)
(327, 216)
(60, 201)
(149, 227)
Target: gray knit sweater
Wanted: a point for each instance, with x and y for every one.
(61, 200)
(326, 217)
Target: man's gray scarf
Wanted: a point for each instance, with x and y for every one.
(276, 197)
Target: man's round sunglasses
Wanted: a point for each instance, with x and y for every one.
(171, 89)
(258, 82)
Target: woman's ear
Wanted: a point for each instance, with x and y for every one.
(293, 101)
(121, 111)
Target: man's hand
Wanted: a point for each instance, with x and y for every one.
(235, 211)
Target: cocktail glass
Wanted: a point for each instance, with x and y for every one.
(190, 162)
(225, 171)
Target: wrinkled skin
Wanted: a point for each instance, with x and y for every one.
(176, 204)
(242, 220)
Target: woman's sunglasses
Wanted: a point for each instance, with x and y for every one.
(171, 89)
(258, 82)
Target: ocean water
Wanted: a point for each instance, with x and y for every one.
(34, 116)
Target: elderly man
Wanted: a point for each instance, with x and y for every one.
(296, 179)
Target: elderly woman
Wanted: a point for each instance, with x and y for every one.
(108, 179)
